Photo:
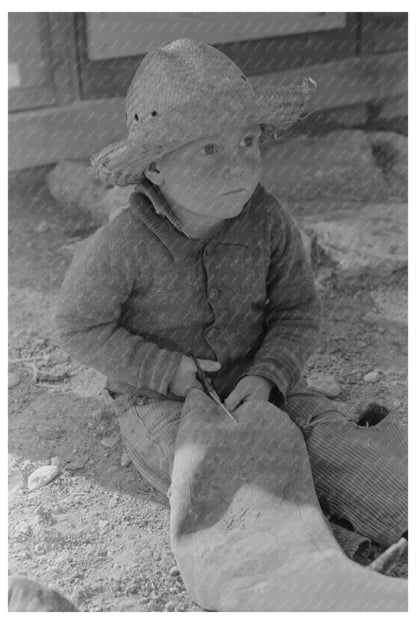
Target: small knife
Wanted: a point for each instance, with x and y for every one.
(208, 387)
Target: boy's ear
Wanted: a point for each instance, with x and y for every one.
(152, 172)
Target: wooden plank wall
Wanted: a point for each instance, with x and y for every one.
(362, 67)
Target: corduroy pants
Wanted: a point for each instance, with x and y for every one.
(359, 473)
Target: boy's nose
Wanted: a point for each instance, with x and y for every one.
(236, 169)
(240, 167)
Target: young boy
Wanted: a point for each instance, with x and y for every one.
(205, 261)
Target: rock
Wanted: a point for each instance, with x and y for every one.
(370, 237)
(339, 164)
(42, 476)
(77, 462)
(326, 384)
(132, 588)
(42, 227)
(16, 482)
(23, 529)
(14, 380)
(56, 461)
(372, 377)
(170, 606)
(74, 185)
(396, 403)
(24, 594)
(174, 571)
(103, 524)
(40, 510)
(125, 460)
(111, 441)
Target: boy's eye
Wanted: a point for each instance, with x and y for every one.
(249, 140)
(209, 149)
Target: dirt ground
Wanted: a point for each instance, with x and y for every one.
(98, 533)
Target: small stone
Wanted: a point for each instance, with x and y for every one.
(102, 554)
(23, 529)
(14, 380)
(77, 463)
(42, 227)
(125, 460)
(170, 606)
(174, 571)
(40, 510)
(103, 524)
(131, 589)
(42, 476)
(372, 377)
(56, 461)
(396, 403)
(326, 384)
(110, 442)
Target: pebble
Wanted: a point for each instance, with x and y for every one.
(42, 476)
(131, 589)
(77, 463)
(40, 510)
(170, 606)
(56, 461)
(23, 528)
(326, 384)
(110, 442)
(42, 227)
(26, 464)
(372, 377)
(125, 460)
(14, 379)
(103, 524)
(174, 571)
(396, 403)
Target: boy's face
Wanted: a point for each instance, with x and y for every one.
(211, 178)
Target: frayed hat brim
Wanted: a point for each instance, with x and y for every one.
(122, 163)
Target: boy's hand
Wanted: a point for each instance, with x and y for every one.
(248, 388)
(185, 378)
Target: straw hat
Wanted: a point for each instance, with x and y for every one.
(184, 91)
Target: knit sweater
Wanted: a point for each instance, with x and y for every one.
(140, 293)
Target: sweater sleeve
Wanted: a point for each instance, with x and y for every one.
(293, 311)
(87, 316)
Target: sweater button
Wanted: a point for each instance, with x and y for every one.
(213, 294)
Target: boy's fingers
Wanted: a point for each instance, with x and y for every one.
(196, 384)
(232, 400)
(209, 365)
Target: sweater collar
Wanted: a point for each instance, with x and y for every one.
(157, 215)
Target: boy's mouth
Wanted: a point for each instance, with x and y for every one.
(236, 191)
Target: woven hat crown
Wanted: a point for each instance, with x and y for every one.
(186, 90)
(181, 72)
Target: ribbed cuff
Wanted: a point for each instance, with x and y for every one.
(281, 378)
(158, 368)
